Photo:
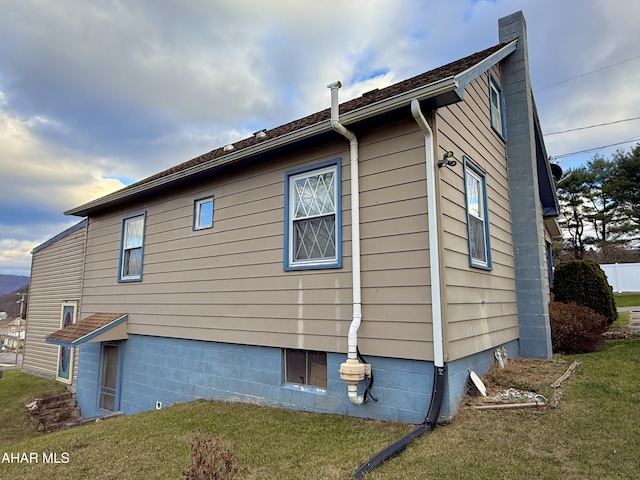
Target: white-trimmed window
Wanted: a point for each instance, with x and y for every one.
(203, 213)
(477, 224)
(496, 107)
(313, 217)
(305, 367)
(132, 245)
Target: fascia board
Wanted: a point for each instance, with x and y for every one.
(422, 93)
(471, 73)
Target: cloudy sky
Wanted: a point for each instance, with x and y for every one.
(96, 95)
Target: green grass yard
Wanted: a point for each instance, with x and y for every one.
(594, 433)
(627, 299)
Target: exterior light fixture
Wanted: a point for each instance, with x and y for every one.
(446, 160)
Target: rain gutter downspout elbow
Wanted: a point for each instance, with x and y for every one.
(352, 371)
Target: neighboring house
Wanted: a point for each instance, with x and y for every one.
(54, 296)
(412, 226)
(13, 332)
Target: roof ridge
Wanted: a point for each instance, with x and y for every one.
(324, 114)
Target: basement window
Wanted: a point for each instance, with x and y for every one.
(305, 367)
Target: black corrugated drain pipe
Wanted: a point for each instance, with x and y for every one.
(429, 424)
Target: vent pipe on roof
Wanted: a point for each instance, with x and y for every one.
(352, 371)
(228, 148)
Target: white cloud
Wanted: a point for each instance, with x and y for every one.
(15, 256)
(93, 92)
(39, 174)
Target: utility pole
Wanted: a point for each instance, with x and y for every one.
(23, 316)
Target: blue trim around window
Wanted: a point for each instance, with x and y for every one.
(502, 131)
(469, 165)
(550, 263)
(137, 278)
(196, 202)
(336, 162)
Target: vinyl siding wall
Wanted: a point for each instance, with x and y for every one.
(227, 284)
(56, 276)
(480, 305)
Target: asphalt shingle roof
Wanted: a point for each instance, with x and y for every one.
(74, 332)
(213, 157)
(448, 70)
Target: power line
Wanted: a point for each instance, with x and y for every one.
(585, 74)
(635, 139)
(591, 126)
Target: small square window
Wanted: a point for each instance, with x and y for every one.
(306, 367)
(203, 213)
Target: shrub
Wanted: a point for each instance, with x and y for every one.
(210, 459)
(575, 328)
(585, 283)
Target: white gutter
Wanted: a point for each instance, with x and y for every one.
(352, 370)
(427, 91)
(434, 257)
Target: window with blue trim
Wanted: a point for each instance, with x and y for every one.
(477, 223)
(131, 251)
(313, 217)
(496, 107)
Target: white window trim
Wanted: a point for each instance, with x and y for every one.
(197, 210)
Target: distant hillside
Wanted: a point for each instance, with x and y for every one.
(11, 283)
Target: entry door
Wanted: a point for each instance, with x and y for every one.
(109, 394)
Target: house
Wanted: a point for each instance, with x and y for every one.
(353, 261)
(54, 295)
(12, 333)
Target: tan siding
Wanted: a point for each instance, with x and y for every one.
(227, 283)
(56, 276)
(480, 306)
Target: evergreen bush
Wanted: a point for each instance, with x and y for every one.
(585, 283)
(575, 328)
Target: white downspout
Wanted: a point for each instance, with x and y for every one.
(352, 371)
(434, 257)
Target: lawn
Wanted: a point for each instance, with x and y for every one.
(15, 390)
(594, 433)
(627, 299)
